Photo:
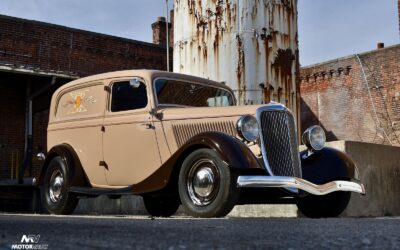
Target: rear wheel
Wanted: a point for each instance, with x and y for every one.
(330, 205)
(161, 206)
(56, 198)
(207, 186)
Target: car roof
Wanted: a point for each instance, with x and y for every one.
(144, 73)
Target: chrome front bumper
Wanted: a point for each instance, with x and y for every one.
(294, 182)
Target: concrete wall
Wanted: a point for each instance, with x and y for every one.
(379, 167)
(104, 205)
(133, 205)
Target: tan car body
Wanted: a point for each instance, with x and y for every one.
(133, 144)
(107, 134)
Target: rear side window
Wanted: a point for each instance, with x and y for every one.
(87, 101)
(127, 96)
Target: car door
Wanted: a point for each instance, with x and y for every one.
(130, 149)
(78, 121)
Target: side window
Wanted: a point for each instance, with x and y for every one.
(87, 101)
(128, 96)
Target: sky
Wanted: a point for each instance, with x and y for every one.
(327, 29)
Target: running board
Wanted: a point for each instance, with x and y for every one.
(294, 182)
(30, 181)
(101, 191)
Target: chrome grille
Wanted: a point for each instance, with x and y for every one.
(183, 132)
(279, 140)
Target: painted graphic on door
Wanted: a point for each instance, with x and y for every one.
(79, 102)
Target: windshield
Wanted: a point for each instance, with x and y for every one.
(180, 93)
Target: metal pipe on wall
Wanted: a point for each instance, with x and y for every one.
(28, 137)
(167, 28)
(27, 161)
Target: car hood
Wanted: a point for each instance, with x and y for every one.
(173, 113)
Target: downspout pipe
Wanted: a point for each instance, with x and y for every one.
(27, 162)
(167, 29)
(27, 141)
(378, 121)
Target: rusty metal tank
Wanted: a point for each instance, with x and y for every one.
(250, 45)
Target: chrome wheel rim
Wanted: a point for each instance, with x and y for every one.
(56, 186)
(203, 182)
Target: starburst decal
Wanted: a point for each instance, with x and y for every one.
(79, 101)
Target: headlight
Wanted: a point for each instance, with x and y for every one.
(314, 138)
(248, 129)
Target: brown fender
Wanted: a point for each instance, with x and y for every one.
(231, 150)
(77, 176)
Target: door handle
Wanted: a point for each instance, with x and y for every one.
(148, 126)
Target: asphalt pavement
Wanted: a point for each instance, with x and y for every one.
(141, 232)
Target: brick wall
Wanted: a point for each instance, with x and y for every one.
(335, 95)
(12, 129)
(47, 47)
(53, 47)
(160, 32)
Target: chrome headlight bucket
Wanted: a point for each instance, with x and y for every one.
(314, 138)
(248, 128)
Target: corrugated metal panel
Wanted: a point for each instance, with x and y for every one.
(250, 45)
(183, 132)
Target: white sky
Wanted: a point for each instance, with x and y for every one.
(327, 29)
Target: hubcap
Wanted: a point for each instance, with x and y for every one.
(202, 182)
(56, 186)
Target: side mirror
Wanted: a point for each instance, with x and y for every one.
(135, 83)
(156, 114)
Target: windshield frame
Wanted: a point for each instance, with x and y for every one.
(188, 82)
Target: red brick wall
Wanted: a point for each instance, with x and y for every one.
(335, 95)
(53, 47)
(160, 32)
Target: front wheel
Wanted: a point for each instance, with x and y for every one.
(56, 198)
(330, 205)
(207, 186)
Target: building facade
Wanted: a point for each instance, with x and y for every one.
(35, 59)
(356, 97)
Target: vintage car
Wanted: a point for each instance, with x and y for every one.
(177, 139)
